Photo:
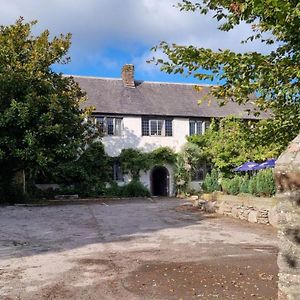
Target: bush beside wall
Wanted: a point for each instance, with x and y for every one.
(133, 189)
(261, 184)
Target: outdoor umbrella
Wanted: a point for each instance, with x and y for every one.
(270, 163)
(248, 166)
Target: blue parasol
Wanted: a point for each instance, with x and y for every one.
(248, 166)
(270, 163)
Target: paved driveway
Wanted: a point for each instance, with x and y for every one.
(158, 249)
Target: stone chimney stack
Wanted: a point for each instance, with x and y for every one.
(128, 76)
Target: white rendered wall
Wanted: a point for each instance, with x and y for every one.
(132, 137)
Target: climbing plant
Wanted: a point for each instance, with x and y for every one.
(133, 160)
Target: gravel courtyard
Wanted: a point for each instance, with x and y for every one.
(139, 249)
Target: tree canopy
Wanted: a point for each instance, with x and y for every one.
(41, 120)
(273, 78)
(229, 142)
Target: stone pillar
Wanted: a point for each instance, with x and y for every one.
(287, 174)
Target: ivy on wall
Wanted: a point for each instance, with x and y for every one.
(133, 160)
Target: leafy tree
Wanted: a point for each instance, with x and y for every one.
(88, 175)
(273, 78)
(41, 120)
(229, 142)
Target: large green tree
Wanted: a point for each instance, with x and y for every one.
(273, 78)
(41, 120)
(229, 142)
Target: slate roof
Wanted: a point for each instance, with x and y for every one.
(109, 96)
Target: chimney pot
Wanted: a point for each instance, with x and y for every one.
(128, 76)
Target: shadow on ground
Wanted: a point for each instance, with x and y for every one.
(26, 231)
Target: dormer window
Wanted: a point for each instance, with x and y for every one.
(110, 125)
(157, 127)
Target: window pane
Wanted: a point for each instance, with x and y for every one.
(118, 126)
(153, 127)
(199, 127)
(168, 128)
(100, 124)
(206, 125)
(160, 124)
(192, 127)
(145, 126)
(110, 126)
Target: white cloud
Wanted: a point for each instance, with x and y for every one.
(126, 24)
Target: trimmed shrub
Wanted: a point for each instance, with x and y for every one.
(133, 189)
(231, 186)
(234, 185)
(265, 183)
(244, 185)
(211, 183)
(225, 185)
(252, 186)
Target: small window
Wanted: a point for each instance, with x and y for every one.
(205, 125)
(145, 126)
(117, 171)
(157, 127)
(168, 128)
(100, 122)
(118, 126)
(198, 127)
(109, 125)
(198, 173)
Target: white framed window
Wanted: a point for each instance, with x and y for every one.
(110, 125)
(157, 127)
(198, 126)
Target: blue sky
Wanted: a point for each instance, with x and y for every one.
(106, 34)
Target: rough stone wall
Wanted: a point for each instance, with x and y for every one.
(251, 209)
(287, 174)
(248, 213)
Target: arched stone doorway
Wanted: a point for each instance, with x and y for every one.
(159, 179)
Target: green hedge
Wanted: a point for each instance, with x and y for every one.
(265, 183)
(261, 184)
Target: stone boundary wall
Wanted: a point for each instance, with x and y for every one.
(248, 208)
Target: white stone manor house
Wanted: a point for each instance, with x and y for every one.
(148, 115)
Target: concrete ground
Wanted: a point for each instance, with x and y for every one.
(139, 249)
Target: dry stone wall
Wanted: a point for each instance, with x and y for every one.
(248, 213)
(247, 208)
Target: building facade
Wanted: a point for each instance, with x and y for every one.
(148, 115)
